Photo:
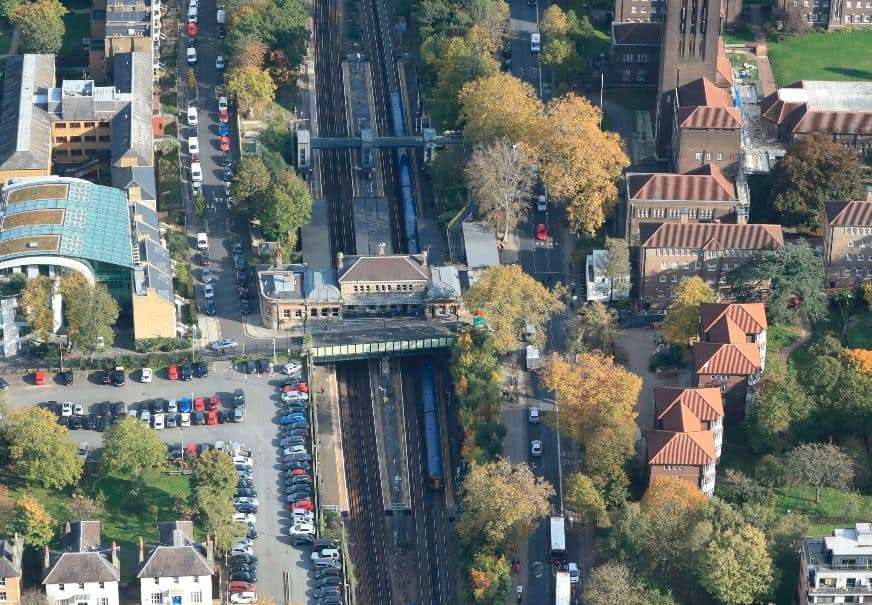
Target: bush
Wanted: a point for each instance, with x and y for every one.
(150, 345)
(668, 356)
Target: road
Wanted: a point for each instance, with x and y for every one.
(259, 431)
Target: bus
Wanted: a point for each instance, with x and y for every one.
(562, 588)
(557, 541)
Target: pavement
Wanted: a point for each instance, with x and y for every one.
(259, 432)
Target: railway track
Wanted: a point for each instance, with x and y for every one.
(368, 545)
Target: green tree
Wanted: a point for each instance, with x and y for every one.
(594, 328)
(7, 8)
(130, 448)
(40, 450)
(789, 280)
(500, 178)
(284, 208)
(490, 579)
(617, 267)
(814, 171)
(509, 298)
(90, 311)
(819, 465)
(191, 81)
(79, 506)
(585, 501)
(32, 522)
(736, 567)
(40, 25)
(780, 406)
(681, 325)
(36, 302)
(502, 504)
(200, 205)
(499, 107)
(252, 180)
(614, 582)
(212, 490)
(252, 88)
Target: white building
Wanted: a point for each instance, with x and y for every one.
(837, 568)
(178, 571)
(599, 285)
(84, 572)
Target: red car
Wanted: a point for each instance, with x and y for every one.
(223, 117)
(214, 403)
(240, 586)
(173, 372)
(304, 504)
(191, 30)
(200, 404)
(39, 377)
(224, 143)
(541, 232)
(212, 417)
(191, 450)
(298, 472)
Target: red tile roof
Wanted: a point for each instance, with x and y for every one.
(695, 448)
(722, 118)
(710, 236)
(679, 417)
(820, 107)
(703, 92)
(729, 359)
(705, 403)
(724, 70)
(707, 184)
(749, 317)
(854, 214)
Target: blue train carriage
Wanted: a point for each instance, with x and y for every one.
(432, 436)
(407, 192)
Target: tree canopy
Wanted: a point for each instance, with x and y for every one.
(251, 87)
(40, 450)
(500, 178)
(614, 582)
(40, 25)
(585, 501)
(489, 578)
(284, 208)
(820, 465)
(681, 325)
(131, 448)
(499, 107)
(213, 486)
(90, 311)
(32, 522)
(36, 302)
(736, 566)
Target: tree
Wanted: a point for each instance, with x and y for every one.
(570, 137)
(36, 302)
(40, 25)
(252, 180)
(80, 506)
(284, 208)
(791, 19)
(780, 406)
(191, 81)
(594, 328)
(34, 596)
(7, 8)
(90, 313)
(789, 280)
(252, 88)
(7, 507)
(820, 465)
(614, 582)
(500, 178)
(251, 53)
(213, 485)
(681, 325)
(502, 504)
(509, 298)
(489, 579)
(200, 205)
(280, 68)
(617, 267)
(130, 448)
(814, 171)
(40, 450)
(736, 567)
(32, 522)
(499, 107)
(585, 501)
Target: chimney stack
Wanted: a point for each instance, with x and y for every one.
(340, 261)
(115, 561)
(141, 549)
(381, 249)
(46, 560)
(423, 258)
(210, 549)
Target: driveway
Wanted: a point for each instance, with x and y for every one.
(259, 432)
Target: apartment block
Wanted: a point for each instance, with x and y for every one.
(634, 54)
(123, 26)
(681, 408)
(669, 252)
(837, 568)
(833, 14)
(734, 369)
(848, 243)
(735, 323)
(686, 454)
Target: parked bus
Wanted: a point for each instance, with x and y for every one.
(557, 544)
(562, 588)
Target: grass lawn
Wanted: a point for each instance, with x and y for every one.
(739, 36)
(835, 509)
(169, 182)
(779, 336)
(858, 332)
(78, 26)
(822, 56)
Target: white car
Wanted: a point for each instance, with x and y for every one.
(219, 63)
(202, 241)
(241, 549)
(574, 575)
(194, 146)
(294, 396)
(303, 513)
(209, 291)
(243, 598)
(535, 448)
(158, 421)
(292, 367)
(207, 276)
(145, 417)
(67, 408)
(295, 449)
(172, 406)
(185, 419)
(535, 43)
(327, 553)
(302, 529)
(196, 172)
(243, 461)
(145, 375)
(192, 55)
(222, 104)
(247, 500)
(533, 415)
(79, 409)
(224, 343)
(192, 115)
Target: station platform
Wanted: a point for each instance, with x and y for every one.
(331, 457)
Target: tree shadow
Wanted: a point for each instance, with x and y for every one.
(850, 72)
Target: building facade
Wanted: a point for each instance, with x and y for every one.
(837, 568)
(11, 550)
(848, 243)
(122, 26)
(291, 295)
(84, 572)
(687, 454)
(735, 323)
(706, 129)
(178, 571)
(832, 14)
(634, 53)
(669, 252)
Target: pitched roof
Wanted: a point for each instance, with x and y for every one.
(706, 184)
(82, 536)
(854, 213)
(177, 554)
(679, 417)
(131, 127)
(696, 448)
(811, 106)
(383, 268)
(26, 140)
(750, 318)
(78, 567)
(637, 34)
(705, 403)
(731, 359)
(724, 76)
(10, 559)
(723, 118)
(710, 236)
(703, 92)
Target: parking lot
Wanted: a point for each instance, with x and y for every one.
(259, 432)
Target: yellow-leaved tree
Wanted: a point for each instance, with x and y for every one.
(681, 325)
(499, 107)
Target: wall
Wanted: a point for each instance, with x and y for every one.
(194, 590)
(91, 594)
(708, 143)
(734, 396)
(12, 588)
(5, 175)
(92, 138)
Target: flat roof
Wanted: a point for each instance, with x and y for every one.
(822, 95)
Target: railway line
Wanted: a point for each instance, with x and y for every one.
(368, 544)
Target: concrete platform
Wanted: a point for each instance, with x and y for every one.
(331, 468)
(390, 433)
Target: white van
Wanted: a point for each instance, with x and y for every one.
(202, 242)
(535, 43)
(196, 172)
(221, 17)
(192, 13)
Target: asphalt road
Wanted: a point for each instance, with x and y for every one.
(259, 432)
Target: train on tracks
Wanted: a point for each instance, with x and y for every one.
(407, 189)
(432, 434)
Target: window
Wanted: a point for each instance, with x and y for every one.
(851, 582)
(156, 598)
(625, 74)
(197, 597)
(175, 580)
(3, 595)
(103, 601)
(640, 76)
(81, 586)
(711, 267)
(75, 125)
(698, 156)
(662, 279)
(102, 584)
(286, 313)
(60, 586)
(60, 139)
(90, 138)
(827, 582)
(104, 138)
(196, 579)
(720, 156)
(850, 243)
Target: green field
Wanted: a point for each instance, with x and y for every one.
(823, 56)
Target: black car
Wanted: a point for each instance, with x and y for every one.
(329, 580)
(243, 292)
(263, 366)
(326, 591)
(89, 421)
(119, 409)
(186, 372)
(101, 423)
(238, 248)
(297, 432)
(244, 484)
(292, 382)
(75, 422)
(171, 421)
(245, 307)
(198, 418)
(237, 574)
(298, 480)
(102, 408)
(156, 405)
(249, 367)
(238, 398)
(239, 262)
(227, 173)
(246, 492)
(246, 508)
(328, 571)
(106, 377)
(118, 378)
(321, 543)
(64, 421)
(201, 370)
(174, 451)
(225, 416)
(211, 309)
(241, 278)
(66, 378)
(251, 535)
(51, 406)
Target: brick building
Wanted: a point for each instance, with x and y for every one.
(832, 14)
(848, 243)
(706, 128)
(732, 368)
(675, 407)
(688, 453)
(734, 323)
(670, 252)
(634, 54)
(289, 295)
(10, 570)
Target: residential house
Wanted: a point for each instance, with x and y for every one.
(10, 570)
(704, 195)
(178, 571)
(688, 454)
(634, 52)
(670, 252)
(735, 323)
(833, 14)
(839, 110)
(734, 369)
(681, 409)
(291, 294)
(837, 568)
(848, 243)
(398, 284)
(84, 571)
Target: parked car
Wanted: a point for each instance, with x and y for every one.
(224, 344)
(186, 372)
(263, 366)
(198, 418)
(201, 370)
(292, 367)
(66, 379)
(192, 115)
(192, 55)
(145, 375)
(243, 598)
(173, 372)
(219, 63)
(158, 421)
